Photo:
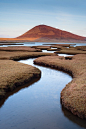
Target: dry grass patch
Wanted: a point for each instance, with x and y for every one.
(19, 48)
(62, 45)
(21, 55)
(71, 50)
(83, 48)
(14, 74)
(73, 96)
(41, 47)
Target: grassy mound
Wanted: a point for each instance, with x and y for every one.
(21, 55)
(41, 47)
(73, 96)
(19, 48)
(14, 74)
(71, 50)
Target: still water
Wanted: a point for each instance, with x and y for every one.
(42, 43)
(37, 105)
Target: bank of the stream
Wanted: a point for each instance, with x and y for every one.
(38, 106)
(73, 95)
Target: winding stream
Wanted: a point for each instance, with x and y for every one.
(38, 106)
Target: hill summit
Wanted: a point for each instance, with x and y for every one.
(47, 32)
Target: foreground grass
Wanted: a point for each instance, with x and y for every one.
(14, 74)
(73, 96)
(21, 55)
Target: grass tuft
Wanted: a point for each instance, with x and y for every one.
(73, 96)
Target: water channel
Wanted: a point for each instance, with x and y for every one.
(37, 105)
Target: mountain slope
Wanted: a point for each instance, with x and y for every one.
(47, 32)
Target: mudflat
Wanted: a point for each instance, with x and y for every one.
(73, 96)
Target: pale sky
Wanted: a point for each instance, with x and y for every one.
(19, 16)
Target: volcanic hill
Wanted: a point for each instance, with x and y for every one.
(42, 32)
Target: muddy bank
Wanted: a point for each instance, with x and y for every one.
(73, 96)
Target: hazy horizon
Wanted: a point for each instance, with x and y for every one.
(17, 17)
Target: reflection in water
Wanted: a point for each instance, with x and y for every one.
(64, 55)
(73, 118)
(48, 51)
(38, 106)
(10, 93)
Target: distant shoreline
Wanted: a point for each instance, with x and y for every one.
(5, 40)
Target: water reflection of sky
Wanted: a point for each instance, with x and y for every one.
(43, 43)
(37, 106)
(48, 51)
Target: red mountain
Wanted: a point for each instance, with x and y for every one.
(47, 32)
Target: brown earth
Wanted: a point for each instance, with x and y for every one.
(44, 31)
(41, 47)
(19, 48)
(16, 40)
(21, 55)
(61, 45)
(58, 40)
(14, 74)
(83, 48)
(73, 96)
(71, 50)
